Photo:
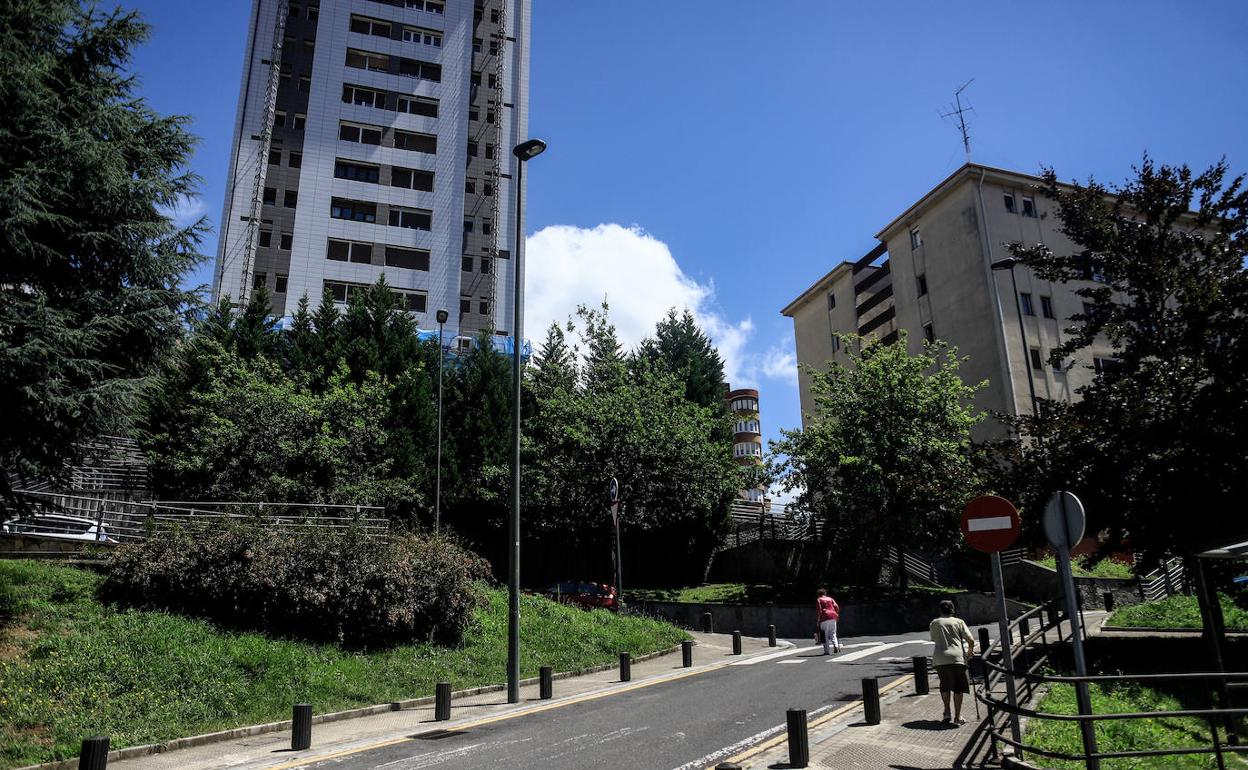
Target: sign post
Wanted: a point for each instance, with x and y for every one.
(1063, 526)
(613, 494)
(991, 524)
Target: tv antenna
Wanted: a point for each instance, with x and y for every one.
(957, 114)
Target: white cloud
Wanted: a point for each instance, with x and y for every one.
(186, 211)
(640, 280)
(780, 362)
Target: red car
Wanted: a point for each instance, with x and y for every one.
(590, 596)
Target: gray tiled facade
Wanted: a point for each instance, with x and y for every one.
(390, 154)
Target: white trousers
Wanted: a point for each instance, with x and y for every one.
(829, 636)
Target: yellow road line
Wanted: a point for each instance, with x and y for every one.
(823, 719)
(501, 717)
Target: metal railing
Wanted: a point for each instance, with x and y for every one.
(1029, 654)
(916, 567)
(1168, 579)
(750, 522)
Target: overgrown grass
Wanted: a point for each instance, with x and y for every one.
(758, 593)
(1105, 568)
(71, 667)
(1177, 611)
(1123, 735)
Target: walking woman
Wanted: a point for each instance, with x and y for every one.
(954, 644)
(829, 613)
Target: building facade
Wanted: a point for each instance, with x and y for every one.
(930, 274)
(373, 138)
(747, 435)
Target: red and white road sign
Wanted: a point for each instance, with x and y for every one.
(990, 523)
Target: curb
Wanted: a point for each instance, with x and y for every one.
(148, 749)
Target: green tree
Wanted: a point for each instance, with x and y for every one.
(89, 294)
(888, 459)
(684, 350)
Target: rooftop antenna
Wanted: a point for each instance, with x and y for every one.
(957, 114)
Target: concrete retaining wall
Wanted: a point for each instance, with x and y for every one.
(1037, 583)
(797, 621)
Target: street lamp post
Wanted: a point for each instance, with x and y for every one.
(524, 152)
(442, 315)
(1008, 264)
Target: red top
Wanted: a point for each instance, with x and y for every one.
(828, 608)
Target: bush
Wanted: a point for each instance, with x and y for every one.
(343, 587)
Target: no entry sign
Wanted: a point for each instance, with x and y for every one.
(990, 523)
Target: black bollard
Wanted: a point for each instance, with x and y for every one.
(799, 739)
(983, 642)
(442, 702)
(1109, 601)
(708, 626)
(546, 685)
(771, 636)
(920, 675)
(301, 727)
(1024, 629)
(94, 754)
(626, 667)
(686, 653)
(871, 700)
(736, 642)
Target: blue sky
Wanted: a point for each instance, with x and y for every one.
(725, 154)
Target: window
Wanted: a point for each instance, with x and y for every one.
(493, 15)
(489, 116)
(293, 11)
(305, 83)
(423, 70)
(468, 226)
(1029, 206)
(279, 118)
(1024, 300)
(1091, 271)
(359, 172)
(493, 48)
(922, 284)
(470, 185)
(489, 189)
(266, 238)
(1089, 310)
(356, 211)
(489, 152)
(475, 78)
(472, 149)
(290, 199)
(279, 283)
(465, 264)
(313, 13)
(836, 342)
(483, 307)
(428, 6)
(493, 80)
(309, 46)
(287, 240)
(487, 227)
(415, 219)
(1105, 365)
(349, 251)
(365, 97)
(425, 36)
(300, 121)
(929, 333)
(476, 45)
(411, 179)
(1036, 362)
(916, 240)
(405, 140)
(410, 259)
(270, 196)
(418, 106)
(275, 157)
(413, 302)
(465, 305)
(1059, 367)
(367, 26)
(1009, 202)
(366, 60)
(485, 265)
(1046, 306)
(355, 132)
(258, 280)
(296, 160)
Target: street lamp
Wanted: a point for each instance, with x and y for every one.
(524, 152)
(442, 315)
(1008, 264)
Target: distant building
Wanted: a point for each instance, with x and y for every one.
(930, 275)
(747, 435)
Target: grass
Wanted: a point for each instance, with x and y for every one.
(1177, 611)
(758, 593)
(1123, 735)
(1105, 568)
(71, 667)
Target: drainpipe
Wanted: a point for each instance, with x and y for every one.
(999, 328)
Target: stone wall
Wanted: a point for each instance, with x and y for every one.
(1037, 583)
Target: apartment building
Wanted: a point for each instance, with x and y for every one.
(373, 137)
(930, 274)
(747, 435)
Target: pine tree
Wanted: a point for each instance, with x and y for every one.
(299, 343)
(604, 360)
(684, 350)
(90, 263)
(327, 349)
(254, 332)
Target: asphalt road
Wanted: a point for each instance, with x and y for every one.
(684, 724)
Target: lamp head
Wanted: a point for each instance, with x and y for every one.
(1004, 264)
(528, 150)
(442, 315)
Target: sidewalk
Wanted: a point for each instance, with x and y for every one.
(910, 735)
(271, 749)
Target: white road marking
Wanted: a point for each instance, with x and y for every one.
(713, 758)
(873, 650)
(794, 651)
(990, 523)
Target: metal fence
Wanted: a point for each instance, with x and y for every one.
(1029, 666)
(114, 520)
(1168, 579)
(751, 522)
